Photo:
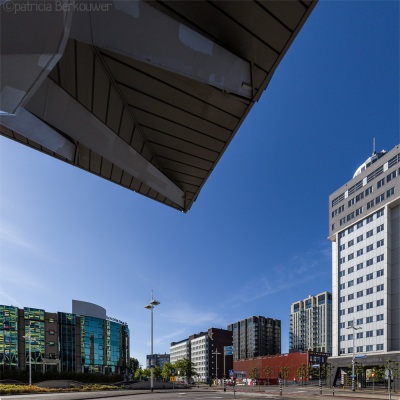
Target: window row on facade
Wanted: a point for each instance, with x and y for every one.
(361, 279)
(370, 204)
(366, 306)
(362, 349)
(358, 185)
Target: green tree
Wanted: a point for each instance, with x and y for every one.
(395, 374)
(157, 372)
(302, 373)
(327, 371)
(267, 372)
(284, 373)
(254, 373)
(166, 371)
(138, 374)
(133, 365)
(146, 373)
(187, 368)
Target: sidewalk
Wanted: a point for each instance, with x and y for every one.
(308, 392)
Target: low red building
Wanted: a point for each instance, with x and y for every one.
(289, 365)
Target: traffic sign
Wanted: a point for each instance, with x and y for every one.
(228, 350)
(172, 379)
(353, 376)
(231, 372)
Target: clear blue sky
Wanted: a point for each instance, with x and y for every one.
(255, 240)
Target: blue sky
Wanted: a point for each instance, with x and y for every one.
(255, 240)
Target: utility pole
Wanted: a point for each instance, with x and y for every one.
(29, 337)
(353, 382)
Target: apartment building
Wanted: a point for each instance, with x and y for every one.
(364, 225)
(311, 324)
(206, 350)
(255, 336)
(179, 350)
(157, 359)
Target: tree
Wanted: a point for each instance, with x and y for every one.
(254, 373)
(302, 373)
(187, 368)
(267, 372)
(157, 372)
(138, 374)
(285, 372)
(133, 365)
(394, 368)
(166, 371)
(327, 372)
(146, 373)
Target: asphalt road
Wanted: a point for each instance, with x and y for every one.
(292, 393)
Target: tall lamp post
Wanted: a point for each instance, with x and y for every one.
(353, 386)
(150, 307)
(29, 337)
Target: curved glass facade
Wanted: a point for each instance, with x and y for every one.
(62, 341)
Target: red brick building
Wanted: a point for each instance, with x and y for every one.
(290, 362)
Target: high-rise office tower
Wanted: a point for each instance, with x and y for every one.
(311, 324)
(364, 228)
(255, 336)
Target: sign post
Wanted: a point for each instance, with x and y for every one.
(172, 378)
(228, 351)
(388, 377)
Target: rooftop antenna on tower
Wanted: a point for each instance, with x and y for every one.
(373, 146)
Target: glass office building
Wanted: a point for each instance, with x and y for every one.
(92, 344)
(67, 337)
(8, 337)
(84, 341)
(34, 333)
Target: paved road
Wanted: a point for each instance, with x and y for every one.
(288, 393)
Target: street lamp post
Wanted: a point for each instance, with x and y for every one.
(29, 337)
(150, 307)
(354, 327)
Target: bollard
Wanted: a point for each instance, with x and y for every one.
(333, 390)
(280, 389)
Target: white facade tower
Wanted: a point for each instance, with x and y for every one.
(365, 235)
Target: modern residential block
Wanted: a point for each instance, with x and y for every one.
(311, 324)
(206, 350)
(255, 336)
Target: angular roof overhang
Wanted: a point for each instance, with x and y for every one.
(146, 94)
